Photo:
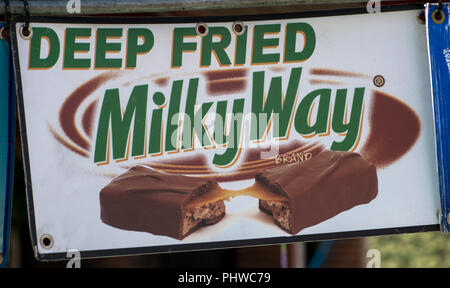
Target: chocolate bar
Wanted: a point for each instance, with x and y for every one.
(143, 199)
(318, 189)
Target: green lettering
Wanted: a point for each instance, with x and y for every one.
(274, 105)
(179, 46)
(233, 138)
(71, 47)
(102, 47)
(173, 117)
(156, 125)
(208, 46)
(133, 46)
(354, 123)
(193, 121)
(111, 115)
(309, 38)
(302, 116)
(220, 122)
(259, 43)
(241, 48)
(35, 60)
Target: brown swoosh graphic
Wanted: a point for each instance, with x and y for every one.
(334, 72)
(73, 102)
(221, 82)
(394, 128)
(88, 118)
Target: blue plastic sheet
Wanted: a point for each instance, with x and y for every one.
(6, 148)
(439, 53)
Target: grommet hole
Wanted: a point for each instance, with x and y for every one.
(47, 241)
(26, 32)
(201, 29)
(438, 16)
(238, 28)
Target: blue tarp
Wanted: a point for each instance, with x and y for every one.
(6, 147)
(439, 52)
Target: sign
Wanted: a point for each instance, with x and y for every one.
(439, 54)
(168, 134)
(6, 149)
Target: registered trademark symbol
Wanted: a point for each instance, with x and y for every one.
(378, 81)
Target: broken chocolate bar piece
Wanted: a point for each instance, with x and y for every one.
(143, 199)
(318, 189)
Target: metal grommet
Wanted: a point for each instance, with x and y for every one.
(238, 28)
(26, 32)
(420, 17)
(379, 81)
(4, 32)
(46, 241)
(201, 29)
(438, 16)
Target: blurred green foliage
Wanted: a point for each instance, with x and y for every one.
(421, 250)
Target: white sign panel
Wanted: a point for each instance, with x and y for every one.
(171, 134)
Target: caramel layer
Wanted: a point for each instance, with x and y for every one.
(257, 190)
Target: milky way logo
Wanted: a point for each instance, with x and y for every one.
(393, 127)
